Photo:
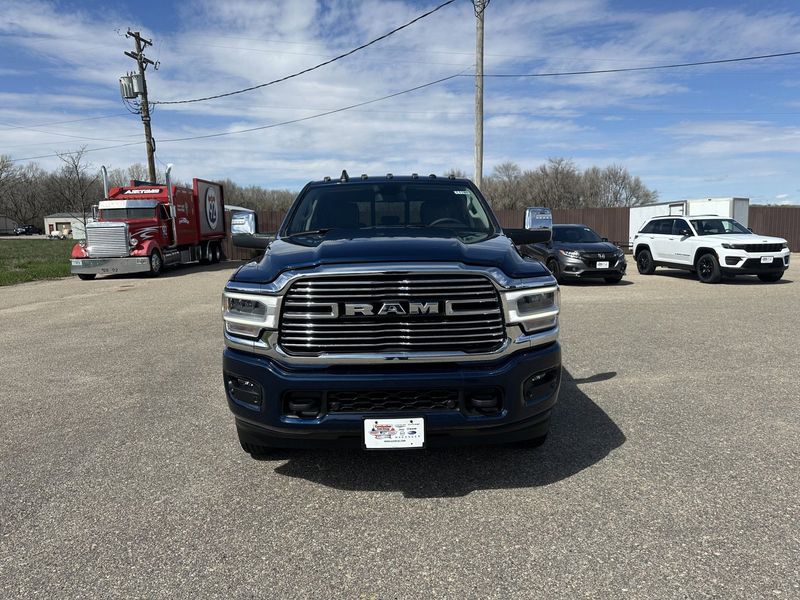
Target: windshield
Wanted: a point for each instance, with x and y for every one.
(717, 226)
(449, 209)
(127, 214)
(575, 235)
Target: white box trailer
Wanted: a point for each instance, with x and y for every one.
(734, 208)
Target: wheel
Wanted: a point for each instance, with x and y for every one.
(644, 262)
(156, 264)
(708, 270)
(770, 277)
(205, 254)
(535, 442)
(87, 276)
(554, 268)
(254, 450)
(614, 279)
(216, 253)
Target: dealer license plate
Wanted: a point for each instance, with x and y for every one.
(766, 259)
(384, 434)
(602, 264)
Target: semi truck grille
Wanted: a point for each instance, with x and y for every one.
(107, 240)
(372, 313)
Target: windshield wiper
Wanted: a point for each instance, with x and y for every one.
(310, 232)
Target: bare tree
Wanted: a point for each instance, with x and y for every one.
(27, 200)
(76, 185)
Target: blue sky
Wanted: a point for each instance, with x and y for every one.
(699, 132)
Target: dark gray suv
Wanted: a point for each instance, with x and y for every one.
(577, 251)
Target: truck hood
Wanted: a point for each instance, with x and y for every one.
(743, 238)
(284, 255)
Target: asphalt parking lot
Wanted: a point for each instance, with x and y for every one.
(672, 470)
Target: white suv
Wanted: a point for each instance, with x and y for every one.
(709, 245)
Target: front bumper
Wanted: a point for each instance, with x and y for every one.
(109, 266)
(519, 417)
(748, 263)
(587, 269)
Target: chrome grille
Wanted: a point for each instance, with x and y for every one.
(107, 239)
(307, 327)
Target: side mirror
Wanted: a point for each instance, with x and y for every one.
(750, 229)
(604, 239)
(538, 227)
(259, 241)
(686, 233)
(95, 210)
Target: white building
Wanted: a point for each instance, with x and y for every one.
(65, 225)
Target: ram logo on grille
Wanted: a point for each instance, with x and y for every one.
(366, 309)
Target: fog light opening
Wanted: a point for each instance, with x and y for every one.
(303, 405)
(483, 402)
(243, 390)
(541, 385)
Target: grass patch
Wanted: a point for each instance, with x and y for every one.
(29, 260)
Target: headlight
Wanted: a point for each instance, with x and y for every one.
(133, 242)
(247, 314)
(534, 309)
(785, 244)
(571, 253)
(728, 246)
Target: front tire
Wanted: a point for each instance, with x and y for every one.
(554, 268)
(644, 262)
(87, 276)
(156, 264)
(770, 277)
(708, 270)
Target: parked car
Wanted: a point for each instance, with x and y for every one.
(577, 251)
(710, 246)
(27, 230)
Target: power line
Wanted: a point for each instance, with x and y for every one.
(261, 127)
(649, 68)
(77, 137)
(315, 67)
(10, 126)
(316, 116)
(419, 87)
(84, 151)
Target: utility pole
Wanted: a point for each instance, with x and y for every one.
(144, 108)
(480, 7)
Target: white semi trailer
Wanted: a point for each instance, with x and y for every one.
(734, 208)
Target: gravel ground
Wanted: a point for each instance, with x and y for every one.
(671, 470)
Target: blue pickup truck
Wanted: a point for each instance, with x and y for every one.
(392, 312)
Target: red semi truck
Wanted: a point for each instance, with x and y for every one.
(145, 227)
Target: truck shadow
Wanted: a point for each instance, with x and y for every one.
(593, 283)
(581, 435)
(182, 270)
(726, 280)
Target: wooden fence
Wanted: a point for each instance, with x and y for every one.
(611, 223)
